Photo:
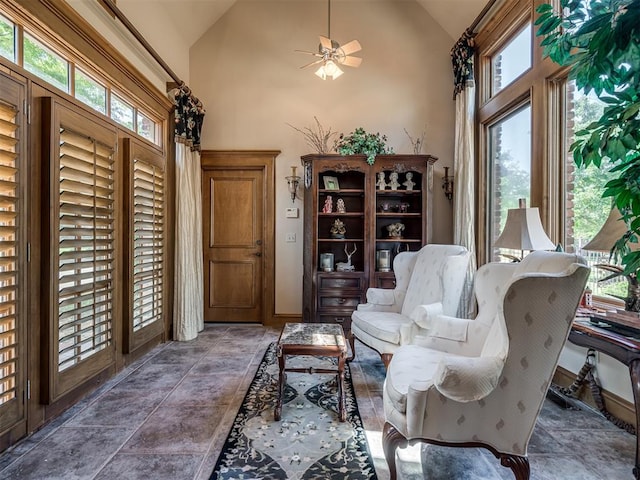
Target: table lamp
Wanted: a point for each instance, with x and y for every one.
(523, 231)
(614, 229)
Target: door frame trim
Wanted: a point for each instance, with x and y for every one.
(264, 159)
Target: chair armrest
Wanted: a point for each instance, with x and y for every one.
(467, 379)
(381, 296)
(430, 318)
(382, 300)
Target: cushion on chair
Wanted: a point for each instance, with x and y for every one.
(382, 325)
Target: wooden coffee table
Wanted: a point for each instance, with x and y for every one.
(314, 339)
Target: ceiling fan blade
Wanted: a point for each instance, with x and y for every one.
(352, 47)
(312, 63)
(325, 42)
(351, 61)
(316, 54)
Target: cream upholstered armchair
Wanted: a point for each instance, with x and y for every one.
(486, 389)
(429, 280)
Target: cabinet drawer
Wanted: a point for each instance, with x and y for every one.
(343, 319)
(338, 302)
(332, 281)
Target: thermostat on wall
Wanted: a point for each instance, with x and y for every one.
(292, 212)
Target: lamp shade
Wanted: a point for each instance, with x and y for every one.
(612, 231)
(523, 231)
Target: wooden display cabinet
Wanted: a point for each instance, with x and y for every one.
(330, 296)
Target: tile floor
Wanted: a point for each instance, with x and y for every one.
(167, 416)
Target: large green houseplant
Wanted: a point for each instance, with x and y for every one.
(599, 40)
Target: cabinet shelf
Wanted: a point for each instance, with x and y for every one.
(342, 191)
(338, 240)
(394, 193)
(347, 214)
(398, 214)
(399, 240)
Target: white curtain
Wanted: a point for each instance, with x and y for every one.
(188, 301)
(464, 190)
(188, 307)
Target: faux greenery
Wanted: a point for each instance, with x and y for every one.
(361, 142)
(599, 40)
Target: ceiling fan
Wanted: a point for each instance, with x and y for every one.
(331, 54)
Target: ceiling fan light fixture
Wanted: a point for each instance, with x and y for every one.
(329, 69)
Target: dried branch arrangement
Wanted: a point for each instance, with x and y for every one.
(417, 143)
(317, 137)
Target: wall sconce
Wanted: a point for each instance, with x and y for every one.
(447, 184)
(293, 181)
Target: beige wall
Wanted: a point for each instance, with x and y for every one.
(246, 72)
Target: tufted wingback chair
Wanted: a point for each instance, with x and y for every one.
(486, 390)
(429, 279)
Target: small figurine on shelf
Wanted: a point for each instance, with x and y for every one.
(338, 230)
(403, 208)
(395, 230)
(394, 184)
(347, 266)
(328, 205)
(409, 183)
(340, 207)
(381, 183)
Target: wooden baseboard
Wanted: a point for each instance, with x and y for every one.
(616, 405)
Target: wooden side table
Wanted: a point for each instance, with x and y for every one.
(314, 339)
(621, 344)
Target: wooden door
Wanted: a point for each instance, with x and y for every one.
(233, 206)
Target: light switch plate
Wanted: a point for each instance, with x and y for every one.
(292, 212)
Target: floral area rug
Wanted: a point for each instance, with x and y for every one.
(309, 442)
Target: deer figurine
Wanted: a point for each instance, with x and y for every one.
(346, 266)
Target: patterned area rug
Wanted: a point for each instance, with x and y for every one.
(309, 442)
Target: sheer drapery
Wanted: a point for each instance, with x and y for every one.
(188, 308)
(462, 56)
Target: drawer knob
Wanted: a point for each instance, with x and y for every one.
(341, 301)
(339, 319)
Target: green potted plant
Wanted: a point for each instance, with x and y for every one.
(361, 142)
(600, 43)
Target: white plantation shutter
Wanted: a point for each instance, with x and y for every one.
(147, 243)
(8, 253)
(86, 242)
(83, 247)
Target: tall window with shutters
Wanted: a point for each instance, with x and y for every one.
(146, 214)
(84, 242)
(12, 252)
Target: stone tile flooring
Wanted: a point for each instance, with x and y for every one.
(167, 416)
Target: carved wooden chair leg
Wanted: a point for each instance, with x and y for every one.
(391, 440)
(386, 359)
(518, 465)
(352, 344)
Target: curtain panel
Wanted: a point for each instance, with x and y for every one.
(462, 56)
(188, 311)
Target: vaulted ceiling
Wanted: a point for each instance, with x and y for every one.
(194, 17)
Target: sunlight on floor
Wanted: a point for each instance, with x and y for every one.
(408, 461)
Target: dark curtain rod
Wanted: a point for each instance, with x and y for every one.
(115, 11)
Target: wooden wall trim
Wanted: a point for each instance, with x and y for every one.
(266, 159)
